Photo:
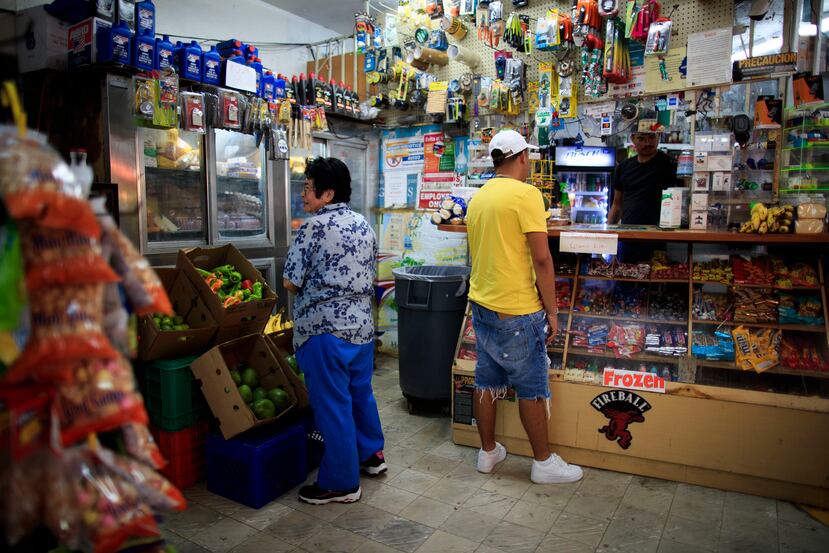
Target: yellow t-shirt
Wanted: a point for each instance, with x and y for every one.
(498, 218)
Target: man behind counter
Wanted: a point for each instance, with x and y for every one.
(640, 181)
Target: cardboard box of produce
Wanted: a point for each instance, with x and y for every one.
(283, 347)
(234, 319)
(226, 369)
(155, 343)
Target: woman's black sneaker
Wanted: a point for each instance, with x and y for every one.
(317, 496)
(374, 465)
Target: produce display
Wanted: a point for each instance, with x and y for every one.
(264, 403)
(227, 283)
(774, 220)
(171, 322)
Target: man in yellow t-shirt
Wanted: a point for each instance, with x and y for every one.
(514, 311)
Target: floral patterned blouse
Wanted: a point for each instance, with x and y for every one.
(332, 262)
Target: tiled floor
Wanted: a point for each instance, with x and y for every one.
(433, 501)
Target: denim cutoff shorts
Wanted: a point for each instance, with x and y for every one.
(512, 352)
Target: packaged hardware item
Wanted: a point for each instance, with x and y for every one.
(659, 37)
(192, 112)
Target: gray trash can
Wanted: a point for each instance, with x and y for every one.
(431, 301)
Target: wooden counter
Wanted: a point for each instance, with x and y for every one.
(746, 439)
(655, 234)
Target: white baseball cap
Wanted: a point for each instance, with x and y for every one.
(508, 143)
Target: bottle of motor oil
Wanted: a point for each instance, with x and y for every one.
(319, 92)
(227, 48)
(143, 51)
(279, 87)
(250, 51)
(268, 86)
(236, 57)
(311, 90)
(328, 98)
(119, 45)
(349, 104)
(339, 101)
(177, 49)
(144, 17)
(256, 64)
(126, 13)
(300, 90)
(164, 53)
(290, 90)
(190, 61)
(355, 102)
(211, 67)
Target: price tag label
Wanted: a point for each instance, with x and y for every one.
(589, 242)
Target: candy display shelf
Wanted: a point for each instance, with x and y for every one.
(642, 280)
(715, 425)
(819, 329)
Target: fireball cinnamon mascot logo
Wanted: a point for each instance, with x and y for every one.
(621, 408)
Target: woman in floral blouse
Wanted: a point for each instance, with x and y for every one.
(331, 269)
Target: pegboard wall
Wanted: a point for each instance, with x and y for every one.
(689, 16)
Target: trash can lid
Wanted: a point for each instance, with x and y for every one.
(433, 273)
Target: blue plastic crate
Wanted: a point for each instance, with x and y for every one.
(259, 466)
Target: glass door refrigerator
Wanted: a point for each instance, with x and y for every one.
(179, 189)
(587, 173)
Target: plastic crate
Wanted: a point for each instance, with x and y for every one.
(172, 396)
(257, 467)
(184, 451)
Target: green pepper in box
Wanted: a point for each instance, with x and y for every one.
(220, 275)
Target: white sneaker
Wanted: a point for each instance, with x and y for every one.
(554, 471)
(488, 459)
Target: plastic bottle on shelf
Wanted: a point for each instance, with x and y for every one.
(250, 51)
(143, 51)
(126, 13)
(104, 9)
(82, 171)
(119, 44)
(211, 67)
(190, 62)
(279, 87)
(144, 17)
(227, 48)
(256, 64)
(164, 53)
(685, 163)
(268, 86)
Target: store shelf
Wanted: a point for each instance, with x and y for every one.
(565, 275)
(555, 349)
(802, 190)
(645, 280)
(588, 209)
(673, 322)
(635, 357)
(807, 126)
(731, 365)
(807, 146)
(595, 193)
(820, 329)
(804, 169)
(763, 286)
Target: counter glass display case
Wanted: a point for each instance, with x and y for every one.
(173, 165)
(240, 186)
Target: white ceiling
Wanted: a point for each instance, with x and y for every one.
(337, 15)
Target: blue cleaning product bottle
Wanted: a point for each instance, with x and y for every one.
(279, 87)
(250, 51)
(256, 65)
(164, 53)
(268, 86)
(118, 46)
(144, 17)
(227, 47)
(190, 61)
(211, 67)
(143, 51)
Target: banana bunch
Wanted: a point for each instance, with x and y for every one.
(765, 220)
(278, 322)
